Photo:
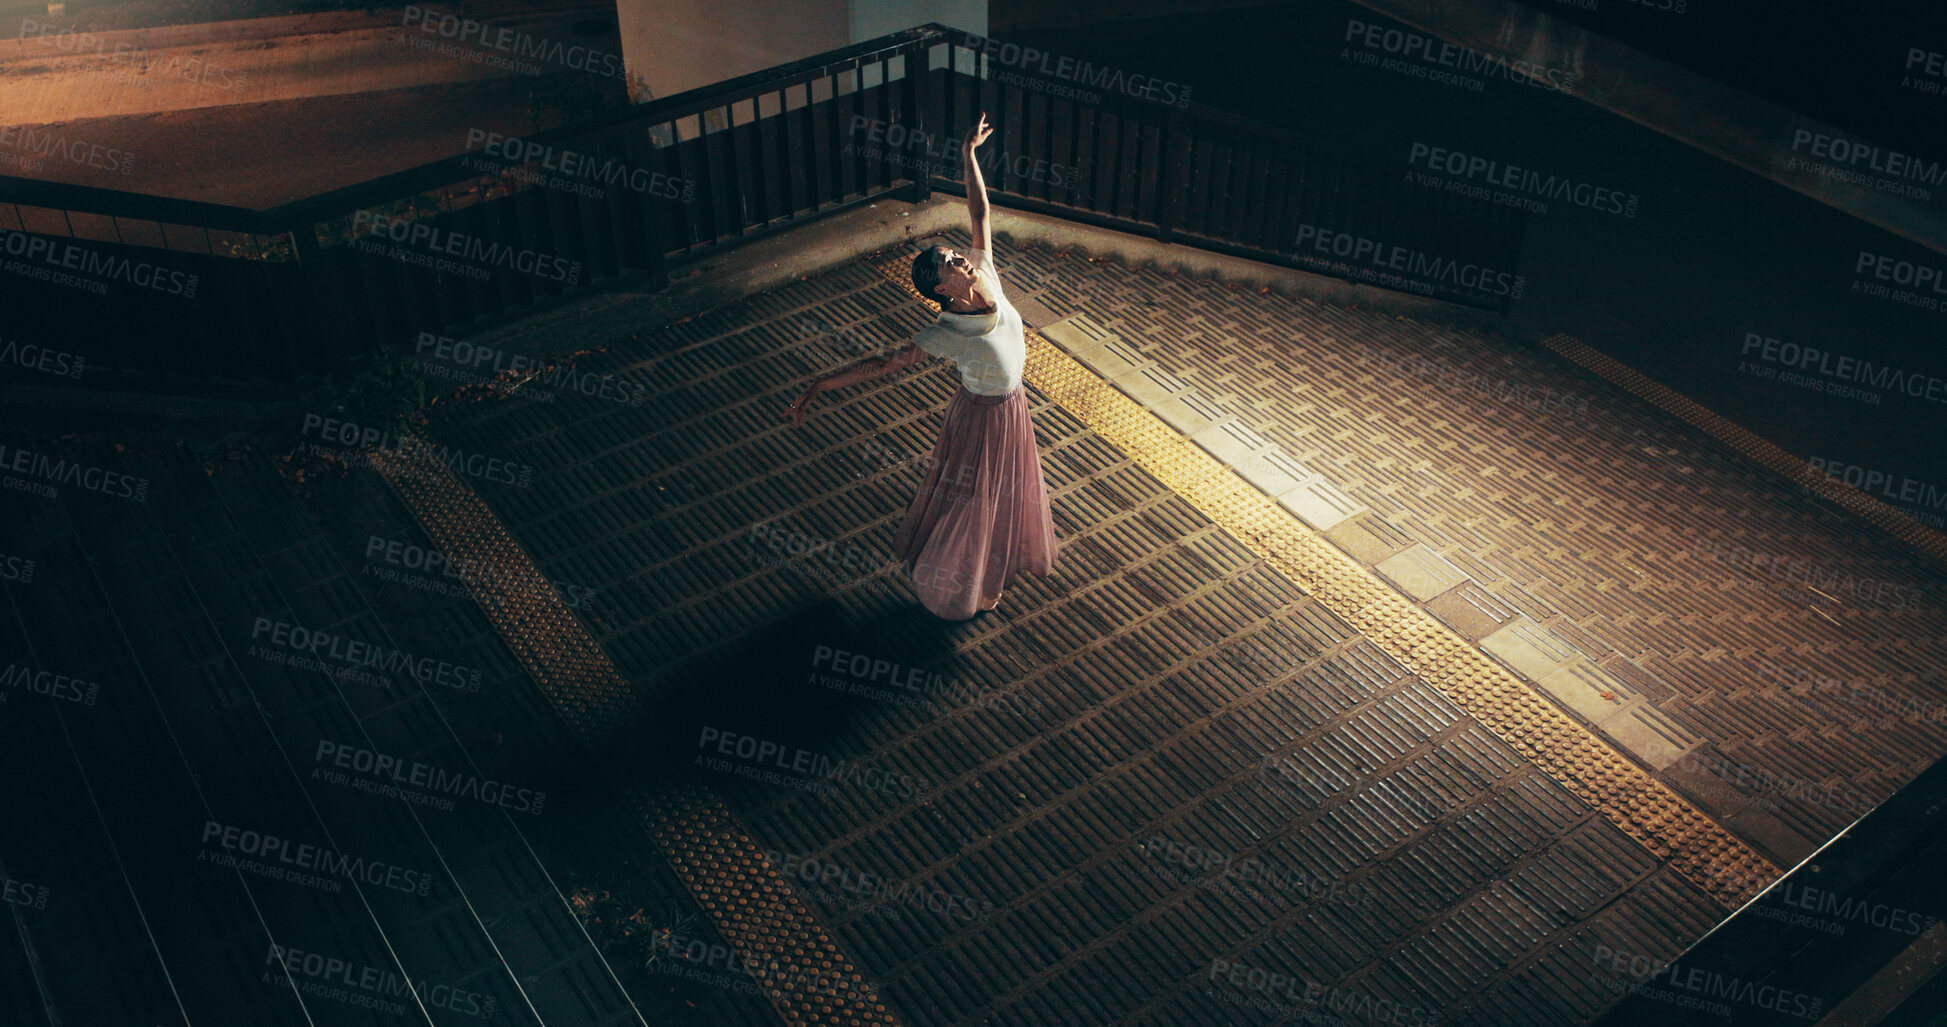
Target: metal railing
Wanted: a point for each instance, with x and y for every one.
(206, 291)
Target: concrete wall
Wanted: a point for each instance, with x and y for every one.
(874, 18)
(677, 45)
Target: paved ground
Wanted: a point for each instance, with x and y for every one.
(1170, 770)
(1168, 701)
(1777, 662)
(1179, 766)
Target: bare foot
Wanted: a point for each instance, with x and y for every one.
(991, 603)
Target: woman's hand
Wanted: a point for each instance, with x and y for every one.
(796, 411)
(977, 134)
(863, 371)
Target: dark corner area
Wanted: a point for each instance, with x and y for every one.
(1152, 513)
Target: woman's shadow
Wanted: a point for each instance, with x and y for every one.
(785, 694)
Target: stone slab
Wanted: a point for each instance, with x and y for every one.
(1650, 736)
(1191, 413)
(1587, 689)
(1529, 649)
(1076, 333)
(1470, 610)
(1234, 443)
(1361, 542)
(1420, 572)
(1151, 385)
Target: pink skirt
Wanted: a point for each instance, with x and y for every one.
(981, 516)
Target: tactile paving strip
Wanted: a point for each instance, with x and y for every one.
(1663, 822)
(1894, 522)
(779, 941)
(539, 628)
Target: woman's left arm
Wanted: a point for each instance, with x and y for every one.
(977, 206)
(863, 371)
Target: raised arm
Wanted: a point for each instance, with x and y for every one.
(864, 370)
(983, 235)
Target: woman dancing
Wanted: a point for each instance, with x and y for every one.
(981, 515)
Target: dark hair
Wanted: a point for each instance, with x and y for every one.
(926, 275)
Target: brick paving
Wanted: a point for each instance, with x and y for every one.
(1775, 660)
(1087, 758)
(1167, 785)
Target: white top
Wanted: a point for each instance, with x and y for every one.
(991, 350)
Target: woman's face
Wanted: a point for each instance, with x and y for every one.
(956, 273)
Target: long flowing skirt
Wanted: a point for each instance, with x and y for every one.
(981, 515)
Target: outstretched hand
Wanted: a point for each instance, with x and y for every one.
(978, 134)
(796, 411)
